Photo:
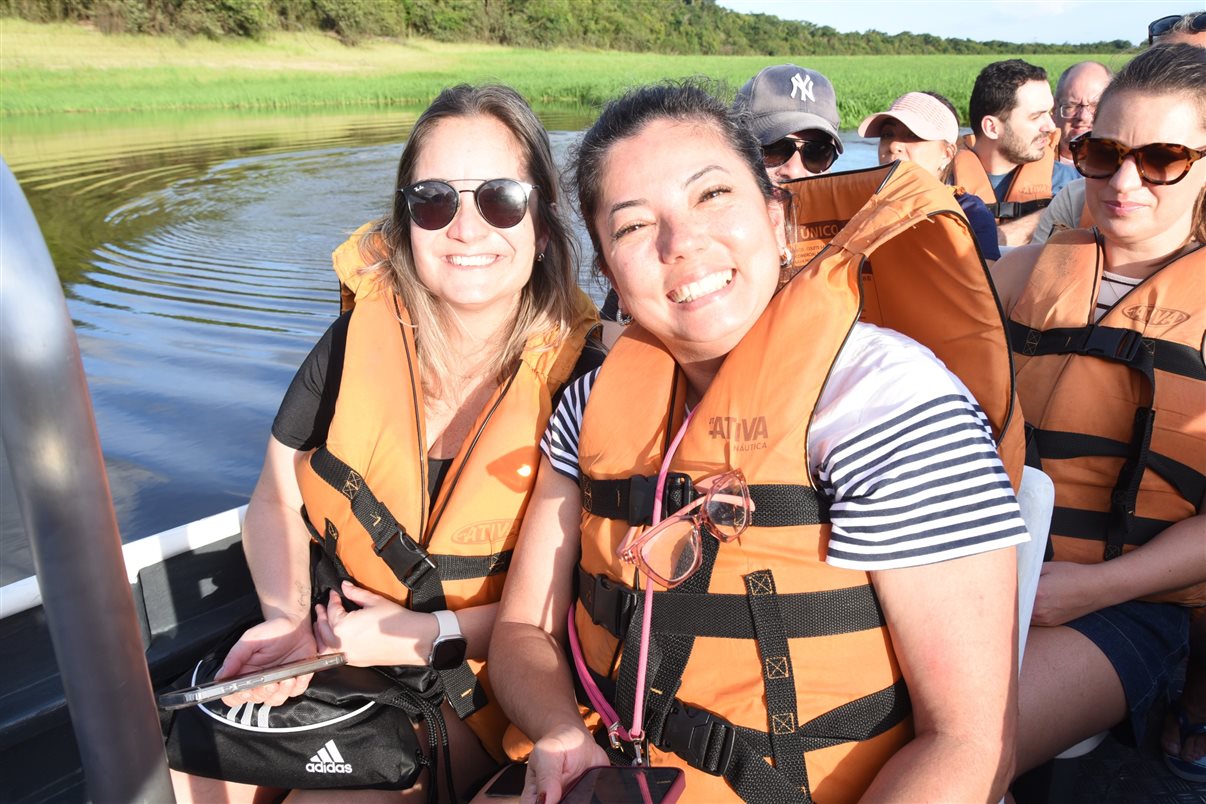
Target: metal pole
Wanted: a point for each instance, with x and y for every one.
(54, 452)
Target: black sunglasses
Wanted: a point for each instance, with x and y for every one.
(433, 204)
(1165, 24)
(817, 155)
(1157, 162)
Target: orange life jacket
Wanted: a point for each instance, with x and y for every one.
(365, 490)
(767, 651)
(1116, 410)
(1028, 186)
(920, 273)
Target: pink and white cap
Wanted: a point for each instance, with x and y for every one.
(924, 115)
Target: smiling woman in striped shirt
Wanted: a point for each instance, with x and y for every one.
(849, 541)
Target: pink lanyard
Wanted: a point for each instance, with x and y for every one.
(615, 731)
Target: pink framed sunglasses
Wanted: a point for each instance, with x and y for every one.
(670, 551)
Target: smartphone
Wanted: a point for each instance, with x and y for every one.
(191, 696)
(626, 785)
(509, 783)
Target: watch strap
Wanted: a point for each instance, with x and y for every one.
(450, 627)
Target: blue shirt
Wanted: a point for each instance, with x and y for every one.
(983, 224)
(1061, 174)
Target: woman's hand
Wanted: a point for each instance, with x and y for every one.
(274, 642)
(381, 632)
(1067, 590)
(557, 759)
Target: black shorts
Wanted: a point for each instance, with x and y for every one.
(1145, 642)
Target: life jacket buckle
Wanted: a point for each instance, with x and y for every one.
(1007, 210)
(678, 492)
(407, 558)
(702, 739)
(1113, 344)
(608, 602)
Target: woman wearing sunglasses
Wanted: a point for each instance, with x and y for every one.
(1107, 327)
(408, 439)
(922, 127)
(835, 511)
(1189, 29)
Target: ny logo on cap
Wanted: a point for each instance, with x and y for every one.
(803, 85)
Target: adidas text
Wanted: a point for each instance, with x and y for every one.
(328, 760)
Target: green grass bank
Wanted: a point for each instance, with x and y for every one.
(60, 68)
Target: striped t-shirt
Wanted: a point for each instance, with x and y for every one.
(1113, 288)
(898, 445)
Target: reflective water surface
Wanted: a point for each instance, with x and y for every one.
(194, 251)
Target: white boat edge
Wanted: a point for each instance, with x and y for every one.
(24, 594)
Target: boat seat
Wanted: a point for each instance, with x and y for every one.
(1036, 498)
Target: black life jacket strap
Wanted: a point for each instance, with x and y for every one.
(716, 747)
(1012, 210)
(406, 558)
(327, 571)
(711, 744)
(1145, 355)
(805, 614)
(1056, 444)
(413, 566)
(778, 678)
(327, 541)
(430, 594)
(1077, 523)
(1118, 344)
(630, 500)
(1033, 458)
(464, 692)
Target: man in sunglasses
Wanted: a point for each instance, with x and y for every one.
(793, 113)
(1010, 161)
(1076, 95)
(1189, 29)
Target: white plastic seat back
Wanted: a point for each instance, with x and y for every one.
(1036, 498)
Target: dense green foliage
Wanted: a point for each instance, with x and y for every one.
(649, 26)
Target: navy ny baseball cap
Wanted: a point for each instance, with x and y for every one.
(786, 98)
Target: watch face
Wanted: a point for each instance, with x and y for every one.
(448, 653)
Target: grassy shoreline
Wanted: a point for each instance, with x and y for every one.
(60, 68)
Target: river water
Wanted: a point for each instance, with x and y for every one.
(194, 251)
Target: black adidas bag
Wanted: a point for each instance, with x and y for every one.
(351, 728)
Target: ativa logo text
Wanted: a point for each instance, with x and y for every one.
(747, 434)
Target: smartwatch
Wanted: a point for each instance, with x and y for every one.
(448, 650)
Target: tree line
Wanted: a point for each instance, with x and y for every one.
(657, 26)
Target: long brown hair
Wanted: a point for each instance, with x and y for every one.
(549, 298)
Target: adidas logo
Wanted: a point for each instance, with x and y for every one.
(328, 760)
